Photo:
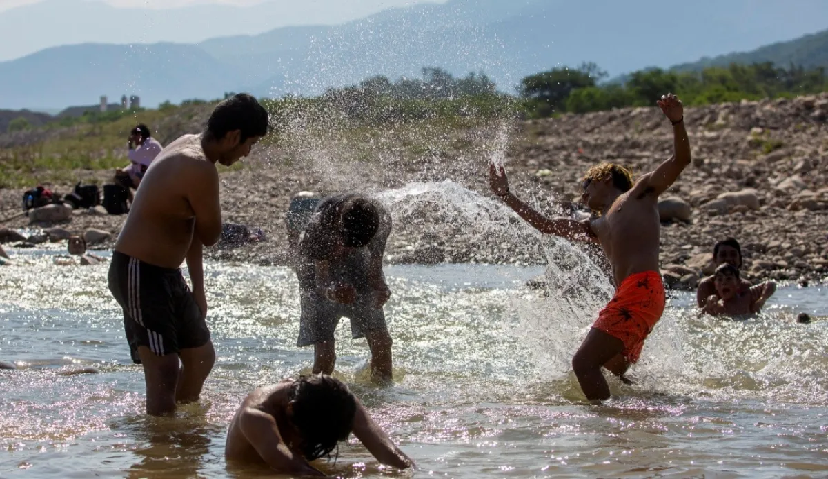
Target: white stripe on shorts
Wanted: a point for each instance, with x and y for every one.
(156, 343)
(133, 291)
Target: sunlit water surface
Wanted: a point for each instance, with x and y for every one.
(483, 383)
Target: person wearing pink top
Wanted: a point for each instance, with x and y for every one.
(142, 151)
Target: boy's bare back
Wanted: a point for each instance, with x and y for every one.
(180, 186)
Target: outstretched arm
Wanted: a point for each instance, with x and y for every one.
(569, 229)
(668, 172)
(377, 442)
(262, 433)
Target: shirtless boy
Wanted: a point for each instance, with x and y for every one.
(340, 274)
(628, 231)
(175, 213)
(732, 299)
(289, 424)
(726, 251)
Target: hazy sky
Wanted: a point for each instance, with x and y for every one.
(162, 4)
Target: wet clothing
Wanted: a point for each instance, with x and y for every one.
(320, 316)
(633, 312)
(160, 311)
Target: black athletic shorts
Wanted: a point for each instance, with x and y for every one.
(160, 311)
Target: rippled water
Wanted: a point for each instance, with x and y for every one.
(483, 382)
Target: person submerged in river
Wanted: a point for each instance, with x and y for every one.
(628, 230)
(726, 251)
(288, 425)
(731, 299)
(77, 254)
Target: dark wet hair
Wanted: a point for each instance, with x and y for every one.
(323, 413)
(727, 269)
(731, 242)
(142, 130)
(360, 222)
(239, 112)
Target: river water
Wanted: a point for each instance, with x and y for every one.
(483, 384)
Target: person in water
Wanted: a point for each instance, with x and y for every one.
(175, 214)
(288, 425)
(77, 249)
(731, 299)
(725, 251)
(628, 230)
(340, 274)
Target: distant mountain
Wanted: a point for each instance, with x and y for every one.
(81, 74)
(505, 40)
(34, 118)
(809, 51)
(51, 23)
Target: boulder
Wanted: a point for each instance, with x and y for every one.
(701, 262)
(747, 198)
(93, 236)
(58, 234)
(791, 184)
(716, 207)
(672, 209)
(50, 213)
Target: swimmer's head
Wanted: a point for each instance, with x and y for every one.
(321, 411)
(236, 124)
(602, 181)
(727, 281)
(727, 251)
(77, 245)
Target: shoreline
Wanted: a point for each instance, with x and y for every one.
(758, 174)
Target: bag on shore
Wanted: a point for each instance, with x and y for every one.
(86, 196)
(115, 199)
(35, 198)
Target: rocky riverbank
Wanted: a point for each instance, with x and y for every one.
(758, 174)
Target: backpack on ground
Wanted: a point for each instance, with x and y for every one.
(86, 196)
(115, 199)
(36, 198)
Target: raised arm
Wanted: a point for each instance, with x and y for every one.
(203, 194)
(377, 442)
(262, 433)
(668, 172)
(759, 294)
(565, 228)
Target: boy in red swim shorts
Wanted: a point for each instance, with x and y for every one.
(628, 230)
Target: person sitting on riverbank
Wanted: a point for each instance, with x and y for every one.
(290, 424)
(726, 251)
(628, 230)
(731, 299)
(339, 267)
(142, 149)
(77, 254)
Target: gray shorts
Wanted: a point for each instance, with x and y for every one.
(321, 316)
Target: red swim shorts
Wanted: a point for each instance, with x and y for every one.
(633, 312)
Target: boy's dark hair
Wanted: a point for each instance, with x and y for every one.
(143, 130)
(239, 112)
(323, 413)
(731, 242)
(727, 269)
(360, 222)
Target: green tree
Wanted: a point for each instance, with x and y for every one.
(19, 124)
(548, 91)
(646, 86)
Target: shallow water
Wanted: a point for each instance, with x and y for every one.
(483, 383)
